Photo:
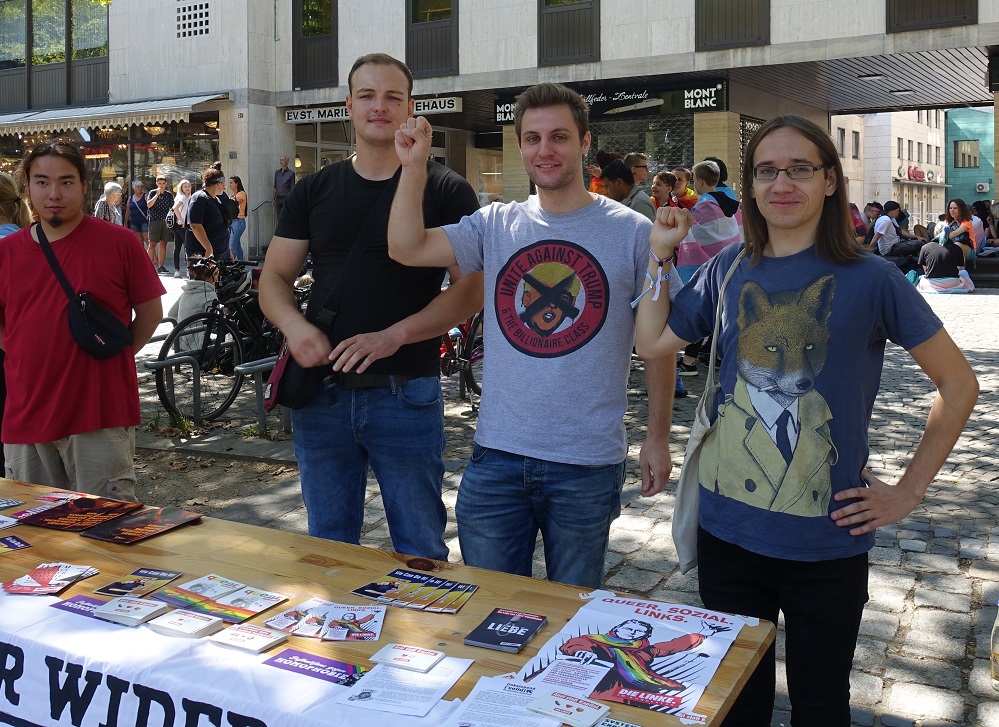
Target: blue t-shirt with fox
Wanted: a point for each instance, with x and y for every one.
(802, 344)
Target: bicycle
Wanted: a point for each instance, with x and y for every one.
(462, 352)
(207, 347)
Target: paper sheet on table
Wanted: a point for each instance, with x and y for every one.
(500, 702)
(390, 689)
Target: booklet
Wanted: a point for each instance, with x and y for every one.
(201, 589)
(187, 624)
(141, 525)
(239, 605)
(129, 611)
(248, 637)
(80, 513)
(140, 582)
(49, 578)
(506, 630)
(413, 658)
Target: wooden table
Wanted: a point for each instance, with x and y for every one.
(302, 567)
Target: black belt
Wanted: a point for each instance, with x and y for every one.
(353, 380)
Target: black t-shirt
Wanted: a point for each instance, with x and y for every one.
(941, 261)
(204, 210)
(381, 292)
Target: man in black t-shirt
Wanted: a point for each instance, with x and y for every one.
(381, 405)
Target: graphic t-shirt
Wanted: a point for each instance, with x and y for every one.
(558, 325)
(802, 344)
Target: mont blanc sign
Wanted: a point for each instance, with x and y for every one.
(424, 107)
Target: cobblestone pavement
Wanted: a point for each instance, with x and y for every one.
(922, 659)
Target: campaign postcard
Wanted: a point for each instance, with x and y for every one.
(11, 543)
(138, 583)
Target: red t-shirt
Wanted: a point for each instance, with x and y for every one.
(54, 388)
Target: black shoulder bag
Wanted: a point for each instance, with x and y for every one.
(291, 385)
(95, 329)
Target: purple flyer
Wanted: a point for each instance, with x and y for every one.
(82, 605)
(12, 543)
(329, 670)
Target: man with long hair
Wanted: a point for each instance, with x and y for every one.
(70, 418)
(788, 509)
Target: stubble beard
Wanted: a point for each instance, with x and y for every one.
(563, 181)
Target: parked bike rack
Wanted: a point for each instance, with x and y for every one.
(257, 369)
(171, 361)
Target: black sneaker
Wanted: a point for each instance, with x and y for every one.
(161, 270)
(685, 369)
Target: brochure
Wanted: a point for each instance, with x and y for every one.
(140, 582)
(506, 630)
(80, 513)
(141, 525)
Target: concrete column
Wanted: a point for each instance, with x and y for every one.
(516, 183)
(716, 133)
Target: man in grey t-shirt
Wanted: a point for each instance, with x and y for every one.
(561, 271)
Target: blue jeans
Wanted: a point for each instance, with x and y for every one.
(235, 238)
(506, 499)
(822, 603)
(399, 431)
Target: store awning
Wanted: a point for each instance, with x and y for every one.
(107, 116)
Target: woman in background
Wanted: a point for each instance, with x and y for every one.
(108, 207)
(181, 196)
(207, 226)
(238, 224)
(959, 228)
(14, 214)
(137, 214)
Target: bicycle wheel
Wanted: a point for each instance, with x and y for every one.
(472, 351)
(217, 347)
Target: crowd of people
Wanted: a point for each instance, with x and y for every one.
(787, 509)
(181, 216)
(934, 257)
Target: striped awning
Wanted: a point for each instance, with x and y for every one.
(105, 116)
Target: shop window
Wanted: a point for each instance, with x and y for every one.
(13, 34)
(314, 55)
(966, 154)
(568, 31)
(432, 38)
(89, 29)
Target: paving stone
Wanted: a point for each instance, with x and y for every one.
(880, 625)
(931, 672)
(870, 655)
(634, 580)
(987, 714)
(889, 556)
(886, 598)
(937, 634)
(916, 546)
(865, 689)
(951, 584)
(980, 682)
(924, 702)
(931, 563)
(942, 599)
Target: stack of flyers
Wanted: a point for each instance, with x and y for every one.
(201, 589)
(49, 578)
(6, 522)
(141, 525)
(248, 638)
(129, 611)
(139, 582)
(186, 624)
(410, 589)
(413, 658)
(570, 709)
(321, 619)
(12, 543)
(6, 502)
(239, 605)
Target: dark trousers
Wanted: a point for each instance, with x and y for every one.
(178, 246)
(822, 604)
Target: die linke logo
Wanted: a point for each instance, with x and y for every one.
(551, 298)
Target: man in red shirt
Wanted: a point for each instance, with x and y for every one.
(70, 418)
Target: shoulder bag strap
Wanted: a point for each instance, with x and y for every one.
(325, 316)
(53, 262)
(709, 385)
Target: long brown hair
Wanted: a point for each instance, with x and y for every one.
(12, 205)
(836, 240)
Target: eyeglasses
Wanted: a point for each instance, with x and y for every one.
(798, 171)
